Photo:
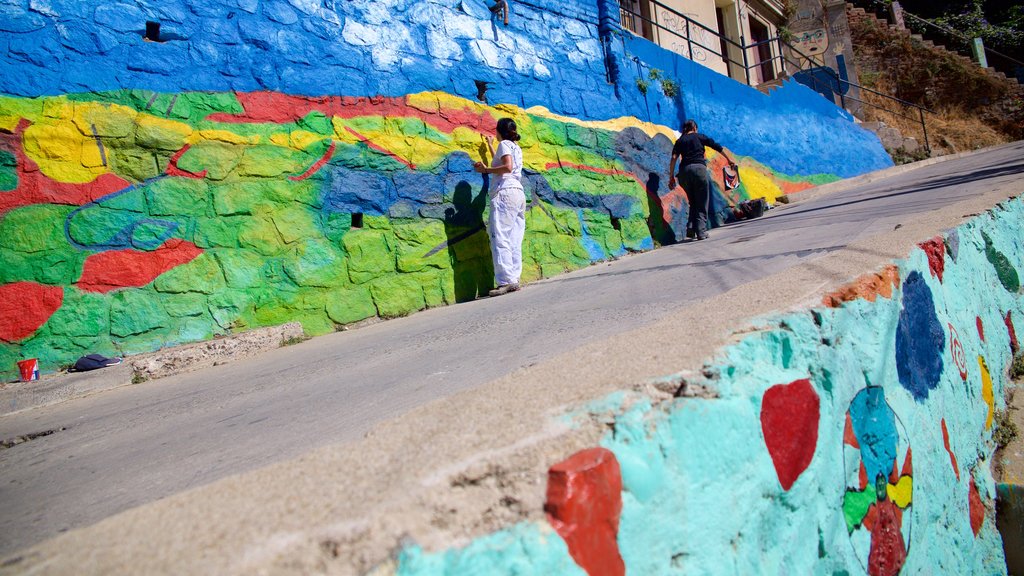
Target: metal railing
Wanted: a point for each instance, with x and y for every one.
(791, 60)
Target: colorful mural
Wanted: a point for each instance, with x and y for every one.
(134, 220)
(262, 162)
(872, 456)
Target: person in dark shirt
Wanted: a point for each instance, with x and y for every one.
(693, 175)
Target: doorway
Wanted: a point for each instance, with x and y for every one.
(764, 66)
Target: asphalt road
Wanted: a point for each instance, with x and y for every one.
(129, 446)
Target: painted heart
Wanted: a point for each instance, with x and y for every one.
(789, 422)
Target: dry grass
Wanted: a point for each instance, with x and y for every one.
(951, 129)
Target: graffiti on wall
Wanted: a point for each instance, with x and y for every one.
(866, 451)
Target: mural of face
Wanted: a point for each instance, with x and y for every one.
(811, 41)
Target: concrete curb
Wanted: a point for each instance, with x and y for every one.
(841, 185)
(55, 388)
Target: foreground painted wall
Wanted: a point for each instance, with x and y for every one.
(852, 438)
(299, 160)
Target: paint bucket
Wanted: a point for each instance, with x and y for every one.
(29, 369)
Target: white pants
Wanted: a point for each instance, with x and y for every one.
(507, 226)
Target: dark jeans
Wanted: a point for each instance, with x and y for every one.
(697, 184)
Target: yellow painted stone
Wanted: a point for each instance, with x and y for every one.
(901, 493)
(303, 139)
(57, 107)
(109, 120)
(57, 149)
(759, 185)
(986, 392)
(91, 156)
(228, 137)
(151, 131)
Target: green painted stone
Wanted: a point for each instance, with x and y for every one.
(133, 163)
(397, 295)
(261, 235)
(377, 222)
(82, 314)
(242, 268)
(547, 269)
(200, 275)
(110, 125)
(178, 196)
(218, 232)
(185, 304)
(266, 161)
(316, 122)
(1005, 271)
(569, 249)
(35, 228)
(59, 268)
(149, 235)
(17, 267)
(237, 198)
(538, 221)
(132, 201)
(550, 133)
(855, 506)
(228, 306)
(218, 159)
(369, 254)
(415, 241)
(336, 225)
(9, 356)
(315, 324)
(136, 312)
(202, 104)
(295, 223)
(191, 329)
(8, 173)
(634, 232)
(350, 305)
(142, 343)
(581, 136)
(157, 136)
(433, 290)
(316, 263)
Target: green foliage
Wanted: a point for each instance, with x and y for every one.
(642, 85)
(1017, 368)
(670, 88)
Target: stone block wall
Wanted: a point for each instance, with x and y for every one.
(853, 437)
(292, 160)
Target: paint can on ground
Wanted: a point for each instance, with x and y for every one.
(29, 369)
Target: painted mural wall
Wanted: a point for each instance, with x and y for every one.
(852, 438)
(311, 160)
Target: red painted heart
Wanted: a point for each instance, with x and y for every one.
(789, 422)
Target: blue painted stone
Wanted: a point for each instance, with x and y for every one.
(874, 425)
(249, 6)
(125, 18)
(14, 19)
(85, 39)
(279, 11)
(224, 31)
(157, 58)
(254, 30)
(920, 339)
(293, 46)
(353, 191)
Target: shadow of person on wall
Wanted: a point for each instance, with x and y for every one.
(661, 229)
(469, 247)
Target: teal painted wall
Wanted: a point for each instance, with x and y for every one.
(851, 438)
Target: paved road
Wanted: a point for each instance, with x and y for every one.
(137, 444)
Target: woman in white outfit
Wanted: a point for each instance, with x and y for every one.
(507, 223)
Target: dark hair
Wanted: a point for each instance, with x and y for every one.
(507, 129)
(689, 126)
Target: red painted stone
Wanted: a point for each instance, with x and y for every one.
(1008, 320)
(952, 457)
(936, 251)
(108, 271)
(849, 438)
(981, 328)
(381, 149)
(789, 422)
(888, 550)
(977, 508)
(277, 108)
(584, 500)
(34, 187)
(25, 306)
(862, 476)
(908, 464)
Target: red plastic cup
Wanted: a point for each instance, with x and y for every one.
(29, 369)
